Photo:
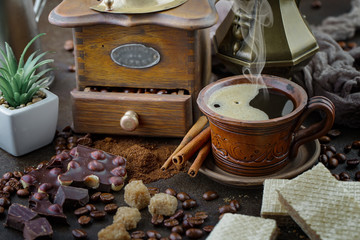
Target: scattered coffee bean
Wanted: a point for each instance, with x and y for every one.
(331, 148)
(2, 210)
(227, 209)
(179, 214)
(84, 220)
(79, 234)
(138, 234)
(153, 234)
(111, 208)
(95, 197)
(8, 175)
(18, 174)
(194, 233)
(170, 191)
(235, 203)
(171, 222)
(322, 148)
(333, 133)
(190, 203)
(157, 219)
(356, 144)
(182, 196)
(178, 229)
(208, 228)
(4, 202)
(107, 197)
(336, 176)
(347, 148)
(340, 157)
(357, 176)
(4, 194)
(352, 163)
(81, 211)
(344, 176)
(23, 192)
(202, 215)
(324, 139)
(90, 207)
(316, 4)
(323, 159)
(153, 190)
(195, 221)
(175, 236)
(187, 215)
(97, 214)
(333, 163)
(185, 224)
(329, 154)
(8, 189)
(210, 195)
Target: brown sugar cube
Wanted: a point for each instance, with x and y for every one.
(115, 231)
(163, 204)
(137, 194)
(128, 216)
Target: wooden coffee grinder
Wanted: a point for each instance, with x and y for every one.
(139, 68)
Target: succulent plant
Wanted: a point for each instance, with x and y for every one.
(19, 81)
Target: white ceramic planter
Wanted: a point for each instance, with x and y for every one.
(27, 129)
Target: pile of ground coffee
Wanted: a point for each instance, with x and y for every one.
(144, 156)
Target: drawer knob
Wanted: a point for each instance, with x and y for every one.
(130, 121)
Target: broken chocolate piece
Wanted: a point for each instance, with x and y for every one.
(17, 216)
(39, 202)
(94, 169)
(37, 228)
(68, 196)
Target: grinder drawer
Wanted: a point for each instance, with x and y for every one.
(156, 115)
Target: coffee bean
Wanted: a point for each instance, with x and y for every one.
(357, 176)
(90, 207)
(235, 203)
(190, 203)
(138, 234)
(8, 189)
(185, 224)
(324, 139)
(331, 148)
(95, 197)
(107, 197)
(171, 222)
(170, 191)
(195, 221)
(8, 175)
(336, 176)
(340, 157)
(175, 236)
(153, 190)
(227, 209)
(179, 214)
(97, 214)
(111, 208)
(347, 148)
(153, 234)
(194, 233)
(187, 215)
(323, 159)
(81, 211)
(316, 4)
(322, 148)
(202, 215)
(23, 192)
(4, 194)
(178, 229)
(18, 174)
(329, 154)
(182, 196)
(79, 234)
(333, 133)
(208, 228)
(333, 163)
(84, 220)
(344, 176)
(210, 195)
(157, 219)
(4, 202)
(356, 144)
(2, 210)
(352, 163)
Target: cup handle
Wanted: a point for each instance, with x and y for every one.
(316, 130)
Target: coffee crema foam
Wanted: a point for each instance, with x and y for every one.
(234, 101)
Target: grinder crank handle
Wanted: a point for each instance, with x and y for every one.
(316, 130)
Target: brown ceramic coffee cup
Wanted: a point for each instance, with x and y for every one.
(257, 148)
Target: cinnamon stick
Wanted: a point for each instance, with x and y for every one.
(194, 130)
(200, 158)
(190, 149)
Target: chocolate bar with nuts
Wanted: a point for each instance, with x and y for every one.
(94, 169)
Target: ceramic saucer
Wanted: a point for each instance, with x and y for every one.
(306, 158)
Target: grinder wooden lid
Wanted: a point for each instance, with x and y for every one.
(193, 14)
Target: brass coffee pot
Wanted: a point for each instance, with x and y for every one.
(289, 43)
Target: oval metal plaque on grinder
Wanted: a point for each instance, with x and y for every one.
(135, 56)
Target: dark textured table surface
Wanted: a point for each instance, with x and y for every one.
(250, 198)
